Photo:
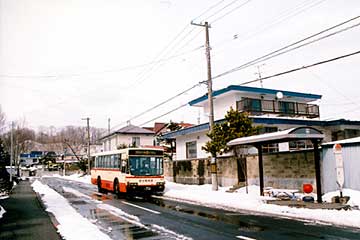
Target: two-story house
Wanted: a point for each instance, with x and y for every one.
(127, 136)
(273, 110)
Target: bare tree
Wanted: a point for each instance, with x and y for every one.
(2, 120)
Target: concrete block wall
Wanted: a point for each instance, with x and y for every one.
(281, 170)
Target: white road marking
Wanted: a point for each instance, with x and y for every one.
(245, 238)
(146, 209)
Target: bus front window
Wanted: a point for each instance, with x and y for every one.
(146, 166)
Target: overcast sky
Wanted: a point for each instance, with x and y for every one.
(63, 60)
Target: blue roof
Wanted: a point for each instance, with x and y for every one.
(260, 120)
(255, 90)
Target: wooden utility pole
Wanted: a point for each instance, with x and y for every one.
(88, 138)
(108, 125)
(210, 101)
(11, 150)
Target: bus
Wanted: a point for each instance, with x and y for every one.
(135, 171)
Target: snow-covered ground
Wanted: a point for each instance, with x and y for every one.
(2, 211)
(251, 201)
(71, 224)
(240, 201)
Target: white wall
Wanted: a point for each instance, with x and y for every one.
(181, 141)
(112, 142)
(350, 156)
(221, 106)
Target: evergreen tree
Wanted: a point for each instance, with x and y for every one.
(237, 124)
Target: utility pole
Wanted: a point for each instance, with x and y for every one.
(210, 100)
(64, 170)
(12, 150)
(88, 138)
(108, 125)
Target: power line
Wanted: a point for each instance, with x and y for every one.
(285, 15)
(278, 51)
(255, 80)
(211, 7)
(167, 113)
(231, 11)
(104, 71)
(157, 105)
(265, 57)
(226, 6)
(303, 67)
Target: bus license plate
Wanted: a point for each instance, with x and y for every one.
(147, 188)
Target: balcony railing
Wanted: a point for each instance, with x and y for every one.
(282, 108)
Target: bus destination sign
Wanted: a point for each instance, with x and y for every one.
(145, 152)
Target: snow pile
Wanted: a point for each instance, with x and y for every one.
(78, 177)
(239, 200)
(2, 211)
(354, 196)
(3, 195)
(203, 194)
(71, 224)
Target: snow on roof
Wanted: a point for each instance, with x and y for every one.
(133, 129)
(280, 136)
(345, 141)
(238, 88)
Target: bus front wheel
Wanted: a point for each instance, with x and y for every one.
(117, 189)
(100, 189)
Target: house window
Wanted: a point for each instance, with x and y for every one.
(252, 105)
(287, 107)
(135, 141)
(191, 149)
(271, 147)
(300, 145)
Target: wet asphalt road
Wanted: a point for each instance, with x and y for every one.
(158, 218)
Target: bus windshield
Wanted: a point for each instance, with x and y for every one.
(146, 166)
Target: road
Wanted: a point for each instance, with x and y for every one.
(160, 218)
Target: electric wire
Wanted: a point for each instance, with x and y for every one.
(158, 105)
(278, 51)
(303, 67)
(267, 56)
(208, 9)
(268, 77)
(229, 12)
(285, 15)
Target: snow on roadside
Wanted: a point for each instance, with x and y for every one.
(253, 202)
(354, 196)
(2, 211)
(71, 224)
(78, 177)
(240, 201)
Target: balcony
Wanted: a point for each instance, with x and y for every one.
(280, 108)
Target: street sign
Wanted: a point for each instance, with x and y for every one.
(339, 166)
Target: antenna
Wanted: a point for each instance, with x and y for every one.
(259, 74)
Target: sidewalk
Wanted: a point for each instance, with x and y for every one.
(25, 218)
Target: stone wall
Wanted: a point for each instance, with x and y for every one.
(281, 170)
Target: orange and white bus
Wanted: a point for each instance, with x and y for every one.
(129, 171)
